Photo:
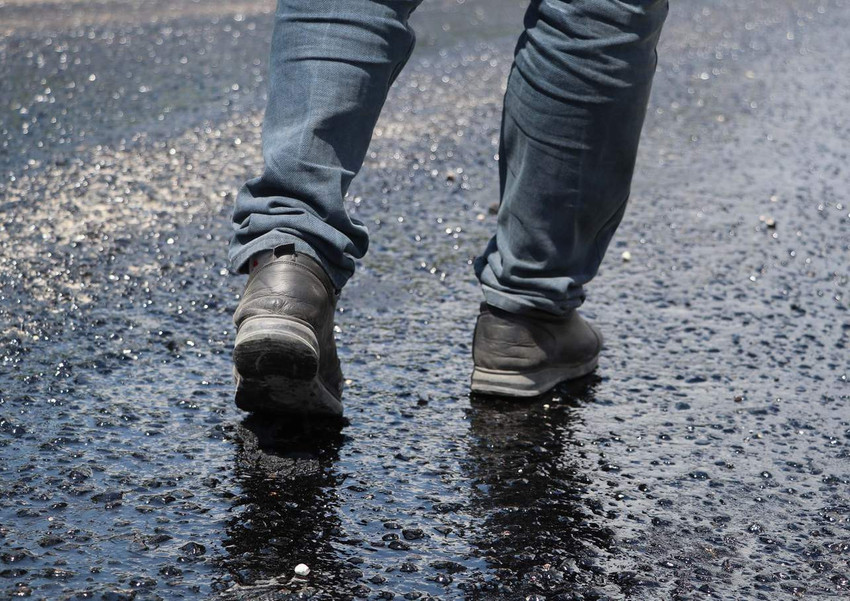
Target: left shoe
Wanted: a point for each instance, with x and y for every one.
(285, 358)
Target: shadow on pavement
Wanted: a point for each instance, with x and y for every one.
(287, 512)
(540, 531)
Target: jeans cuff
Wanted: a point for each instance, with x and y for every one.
(267, 242)
(519, 304)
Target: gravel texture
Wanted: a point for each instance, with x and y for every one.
(708, 457)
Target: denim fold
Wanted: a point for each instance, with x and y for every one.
(573, 111)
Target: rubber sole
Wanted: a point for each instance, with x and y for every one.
(527, 384)
(276, 367)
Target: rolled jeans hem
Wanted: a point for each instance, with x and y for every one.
(519, 304)
(267, 242)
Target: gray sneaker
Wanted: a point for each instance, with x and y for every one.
(527, 355)
(285, 358)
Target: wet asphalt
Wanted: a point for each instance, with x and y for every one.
(707, 458)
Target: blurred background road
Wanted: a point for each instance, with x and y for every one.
(708, 458)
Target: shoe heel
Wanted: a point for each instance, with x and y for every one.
(527, 384)
(276, 346)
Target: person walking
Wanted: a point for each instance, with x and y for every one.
(573, 111)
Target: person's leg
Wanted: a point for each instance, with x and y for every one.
(574, 108)
(332, 63)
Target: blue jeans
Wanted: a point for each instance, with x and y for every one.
(574, 108)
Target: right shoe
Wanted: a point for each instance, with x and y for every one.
(526, 355)
(285, 358)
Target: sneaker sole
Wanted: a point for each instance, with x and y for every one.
(526, 384)
(276, 365)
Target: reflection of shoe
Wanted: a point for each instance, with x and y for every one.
(285, 355)
(527, 355)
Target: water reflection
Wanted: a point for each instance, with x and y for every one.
(530, 516)
(541, 533)
(286, 513)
